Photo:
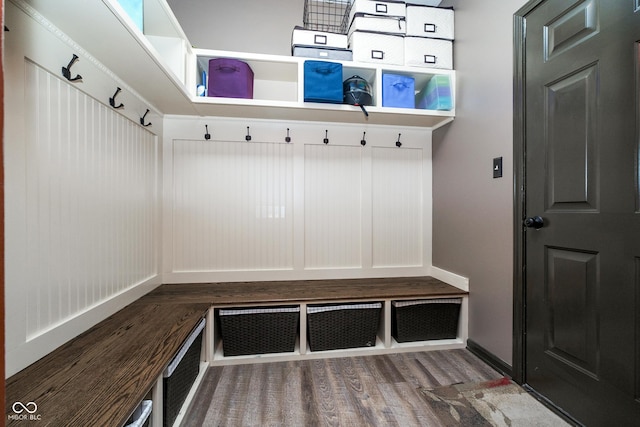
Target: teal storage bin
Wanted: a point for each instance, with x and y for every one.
(323, 82)
(436, 95)
(398, 91)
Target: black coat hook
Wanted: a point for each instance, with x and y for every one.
(142, 119)
(66, 71)
(248, 137)
(363, 141)
(112, 100)
(326, 137)
(398, 143)
(287, 138)
(207, 135)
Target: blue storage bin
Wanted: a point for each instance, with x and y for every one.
(398, 91)
(322, 82)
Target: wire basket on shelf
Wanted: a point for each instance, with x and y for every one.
(331, 16)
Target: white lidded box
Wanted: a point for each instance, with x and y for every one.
(322, 53)
(377, 47)
(427, 2)
(302, 37)
(435, 22)
(381, 24)
(380, 8)
(430, 53)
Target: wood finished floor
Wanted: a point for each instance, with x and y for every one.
(377, 390)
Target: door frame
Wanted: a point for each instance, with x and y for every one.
(519, 191)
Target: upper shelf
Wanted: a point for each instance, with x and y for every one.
(159, 63)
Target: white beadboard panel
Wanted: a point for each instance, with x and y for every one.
(397, 207)
(232, 206)
(332, 206)
(91, 202)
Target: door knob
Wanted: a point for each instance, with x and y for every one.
(534, 222)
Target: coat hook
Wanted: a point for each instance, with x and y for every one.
(66, 71)
(142, 119)
(112, 100)
(398, 143)
(326, 137)
(287, 138)
(363, 141)
(248, 137)
(207, 135)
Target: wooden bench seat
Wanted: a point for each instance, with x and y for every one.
(99, 377)
(221, 294)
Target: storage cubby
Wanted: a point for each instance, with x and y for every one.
(384, 339)
(279, 84)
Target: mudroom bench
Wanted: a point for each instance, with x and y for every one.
(303, 294)
(101, 376)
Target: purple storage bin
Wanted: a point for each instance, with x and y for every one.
(230, 78)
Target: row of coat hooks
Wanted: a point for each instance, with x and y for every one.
(66, 73)
(363, 141)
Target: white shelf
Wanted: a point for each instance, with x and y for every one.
(160, 64)
(279, 92)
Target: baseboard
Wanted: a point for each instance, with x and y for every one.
(489, 358)
(453, 279)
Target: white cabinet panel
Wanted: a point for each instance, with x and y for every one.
(333, 192)
(397, 183)
(233, 206)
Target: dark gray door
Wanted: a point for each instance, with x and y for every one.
(582, 267)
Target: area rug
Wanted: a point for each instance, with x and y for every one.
(489, 403)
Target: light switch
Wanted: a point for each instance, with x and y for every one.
(497, 167)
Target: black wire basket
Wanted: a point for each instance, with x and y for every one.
(332, 327)
(330, 16)
(259, 330)
(423, 320)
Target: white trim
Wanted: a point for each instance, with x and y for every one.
(452, 279)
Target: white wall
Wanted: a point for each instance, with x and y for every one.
(82, 193)
(263, 26)
(473, 231)
(271, 210)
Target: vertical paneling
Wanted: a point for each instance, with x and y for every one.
(92, 201)
(397, 199)
(233, 206)
(332, 207)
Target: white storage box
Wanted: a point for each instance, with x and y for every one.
(430, 53)
(377, 48)
(322, 53)
(380, 24)
(302, 37)
(381, 8)
(435, 22)
(426, 2)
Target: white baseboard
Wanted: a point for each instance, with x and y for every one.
(453, 279)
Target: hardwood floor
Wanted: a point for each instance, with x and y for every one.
(377, 390)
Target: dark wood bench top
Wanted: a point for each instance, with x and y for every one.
(97, 378)
(303, 291)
